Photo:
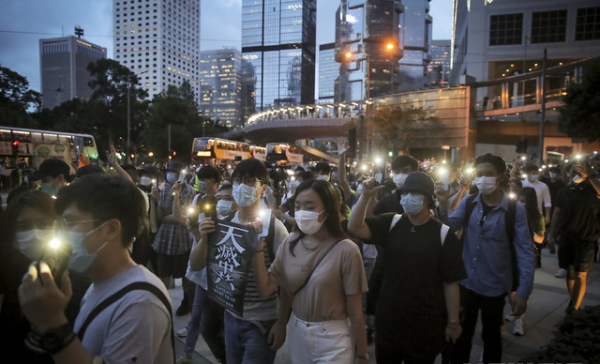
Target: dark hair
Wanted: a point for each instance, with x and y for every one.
(494, 160)
(531, 168)
(150, 171)
(405, 160)
(323, 166)
(554, 170)
(209, 172)
(344, 209)
(517, 181)
(87, 170)
(107, 197)
(531, 208)
(251, 168)
(330, 200)
(299, 168)
(306, 175)
(225, 187)
(129, 168)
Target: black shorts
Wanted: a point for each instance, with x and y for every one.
(576, 253)
(172, 265)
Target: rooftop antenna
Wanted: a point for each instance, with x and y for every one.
(78, 32)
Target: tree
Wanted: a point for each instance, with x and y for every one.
(16, 99)
(175, 108)
(395, 125)
(580, 115)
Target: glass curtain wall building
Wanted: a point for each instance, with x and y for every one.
(329, 71)
(368, 47)
(278, 47)
(439, 68)
(220, 72)
(415, 36)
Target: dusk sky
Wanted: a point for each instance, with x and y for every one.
(24, 22)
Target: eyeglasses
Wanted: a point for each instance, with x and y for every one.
(249, 181)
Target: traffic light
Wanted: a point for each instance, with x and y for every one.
(15, 147)
(174, 153)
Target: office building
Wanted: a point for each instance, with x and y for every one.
(220, 73)
(367, 46)
(329, 72)
(439, 68)
(63, 69)
(495, 39)
(278, 42)
(415, 37)
(160, 41)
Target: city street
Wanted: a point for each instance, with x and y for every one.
(546, 308)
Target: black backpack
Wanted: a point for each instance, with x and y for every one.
(509, 225)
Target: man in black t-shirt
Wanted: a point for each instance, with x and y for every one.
(418, 306)
(576, 228)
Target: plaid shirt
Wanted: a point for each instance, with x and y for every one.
(173, 238)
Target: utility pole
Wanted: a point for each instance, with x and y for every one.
(543, 104)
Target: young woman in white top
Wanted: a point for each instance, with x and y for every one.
(326, 320)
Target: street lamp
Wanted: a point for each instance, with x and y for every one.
(129, 85)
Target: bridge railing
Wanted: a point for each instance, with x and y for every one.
(315, 111)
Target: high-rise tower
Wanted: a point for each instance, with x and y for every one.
(278, 47)
(160, 41)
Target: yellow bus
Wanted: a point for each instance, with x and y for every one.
(221, 151)
(284, 153)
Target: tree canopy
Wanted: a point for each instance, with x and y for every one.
(16, 99)
(580, 115)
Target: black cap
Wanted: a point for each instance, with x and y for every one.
(175, 166)
(51, 167)
(418, 181)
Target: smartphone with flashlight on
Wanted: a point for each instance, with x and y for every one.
(56, 255)
(182, 176)
(208, 205)
(443, 177)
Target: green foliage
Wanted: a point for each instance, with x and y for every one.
(395, 125)
(576, 340)
(16, 98)
(580, 115)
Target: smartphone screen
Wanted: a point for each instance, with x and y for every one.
(182, 176)
(57, 255)
(208, 206)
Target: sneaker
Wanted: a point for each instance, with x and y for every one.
(185, 358)
(182, 333)
(561, 273)
(518, 327)
(509, 317)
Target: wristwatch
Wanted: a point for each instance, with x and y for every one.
(363, 357)
(55, 339)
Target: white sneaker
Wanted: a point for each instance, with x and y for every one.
(518, 327)
(561, 273)
(182, 333)
(184, 359)
(509, 317)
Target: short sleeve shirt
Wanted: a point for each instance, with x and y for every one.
(580, 212)
(340, 274)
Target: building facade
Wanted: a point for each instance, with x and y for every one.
(415, 37)
(63, 69)
(439, 68)
(279, 46)
(220, 74)
(329, 72)
(160, 41)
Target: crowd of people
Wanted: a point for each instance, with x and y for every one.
(342, 260)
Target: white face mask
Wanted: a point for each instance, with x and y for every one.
(308, 221)
(202, 186)
(244, 195)
(553, 175)
(323, 177)
(534, 177)
(577, 179)
(145, 181)
(224, 207)
(295, 184)
(399, 179)
(486, 185)
(412, 203)
(31, 242)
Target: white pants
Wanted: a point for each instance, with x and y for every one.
(320, 342)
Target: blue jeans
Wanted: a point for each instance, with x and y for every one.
(369, 264)
(207, 319)
(246, 342)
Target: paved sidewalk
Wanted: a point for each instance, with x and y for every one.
(546, 308)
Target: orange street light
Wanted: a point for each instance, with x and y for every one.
(389, 46)
(349, 55)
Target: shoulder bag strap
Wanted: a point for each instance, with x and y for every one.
(315, 267)
(444, 232)
(395, 220)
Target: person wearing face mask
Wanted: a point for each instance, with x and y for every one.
(100, 217)
(575, 228)
(322, 171)
(207, 316)
(172, 243)
(487, 250)
(53, 174)
(285, 212)
(319, 271)
(541, 189)
(416, 245)
(555, 183)
(26, 228)
(142, 252)
(247, 337)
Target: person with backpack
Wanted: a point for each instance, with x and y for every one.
(496, 241)
(320, 272)
(417, 312)
(247, 336)
(126, 314)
